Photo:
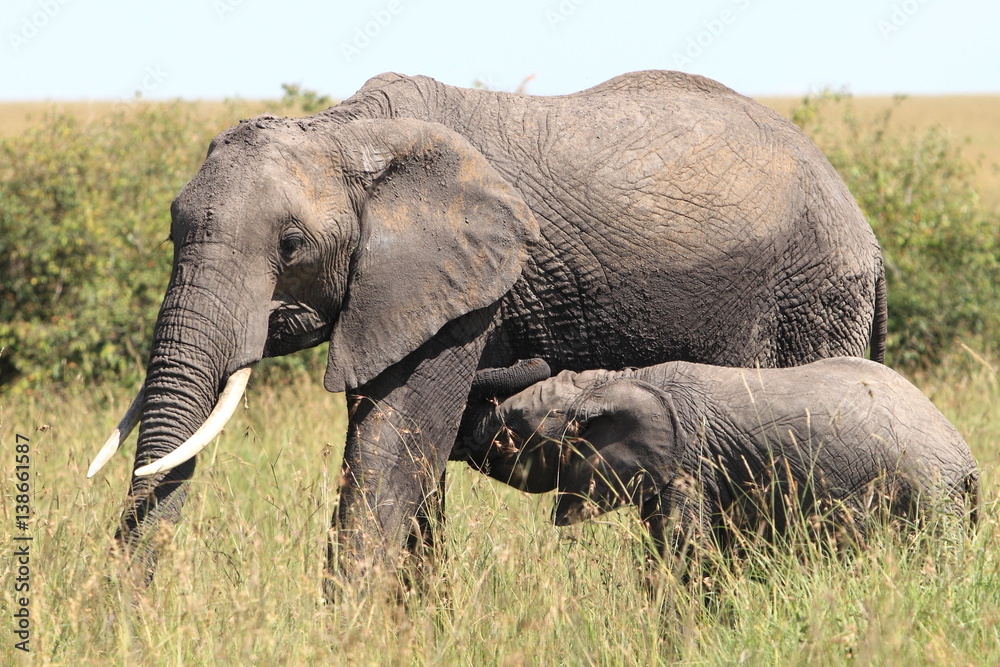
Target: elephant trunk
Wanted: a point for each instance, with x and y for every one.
(481, 424)
(198, 343)
(504, 382)
(229, 399)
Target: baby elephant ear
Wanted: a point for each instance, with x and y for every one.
(442, 234)
(626, 452)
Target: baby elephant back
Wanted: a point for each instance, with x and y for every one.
(852, 427)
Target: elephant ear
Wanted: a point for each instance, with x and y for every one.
(626, 451)
(442, 234)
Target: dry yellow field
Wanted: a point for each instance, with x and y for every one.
(971, 120)
(15, 117)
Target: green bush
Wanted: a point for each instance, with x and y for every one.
(84, 218)
(941, 248)
(308, 101)
(83, 232)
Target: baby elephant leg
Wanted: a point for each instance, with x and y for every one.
(678, 529)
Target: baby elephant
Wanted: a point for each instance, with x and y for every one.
(729, 450)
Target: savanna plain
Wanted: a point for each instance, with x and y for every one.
(239, 577)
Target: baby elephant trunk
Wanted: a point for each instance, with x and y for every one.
(483, 429)
(502, 382)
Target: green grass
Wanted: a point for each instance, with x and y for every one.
(239, 578)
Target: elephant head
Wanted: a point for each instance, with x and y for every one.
(601, 439)
(626, 450)
(372, 234)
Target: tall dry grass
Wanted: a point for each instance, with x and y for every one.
(239, 578)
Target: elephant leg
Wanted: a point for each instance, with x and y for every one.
(652, 520)
(421, 540)
(402, 427)
(429, 520)
(678, 529)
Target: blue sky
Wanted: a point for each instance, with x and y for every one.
(212, 49)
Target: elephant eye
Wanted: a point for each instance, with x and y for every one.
(290, 242)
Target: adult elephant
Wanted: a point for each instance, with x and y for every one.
(427, 231)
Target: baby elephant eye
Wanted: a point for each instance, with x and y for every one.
(290, 242)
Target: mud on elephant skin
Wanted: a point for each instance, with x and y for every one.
(704, 450)
(427, 231)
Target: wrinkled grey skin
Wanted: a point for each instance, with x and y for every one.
(427, 231)
(690, 444)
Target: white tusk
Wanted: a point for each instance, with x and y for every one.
(229, 400)
(125, 427)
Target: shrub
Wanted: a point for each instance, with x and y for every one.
(84, 218)
(307, 101)
(83, 239)
(941, 248)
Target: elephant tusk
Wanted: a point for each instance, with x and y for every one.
(229, 399)
(125, 427)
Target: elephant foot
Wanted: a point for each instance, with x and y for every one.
(411, 571)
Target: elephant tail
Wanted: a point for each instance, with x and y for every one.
(876, 344)
(972, 497)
